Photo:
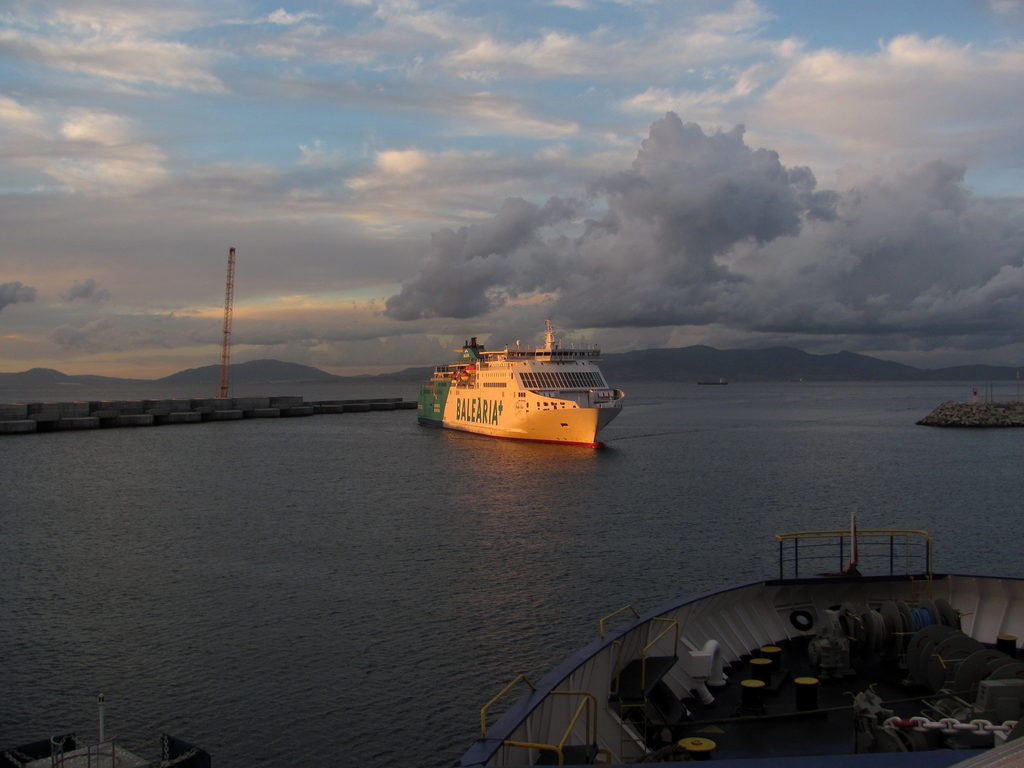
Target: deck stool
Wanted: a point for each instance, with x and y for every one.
(774, 653)
(751, 697)
(806, 693)
(697, 748)
(1007, 644)
(761, 669)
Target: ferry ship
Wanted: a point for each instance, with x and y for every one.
(547, 394)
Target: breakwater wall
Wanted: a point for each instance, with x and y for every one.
(22, 418)
(954, 414)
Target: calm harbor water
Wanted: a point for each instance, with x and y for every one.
(348, 590)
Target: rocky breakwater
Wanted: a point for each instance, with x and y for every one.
(954, 414)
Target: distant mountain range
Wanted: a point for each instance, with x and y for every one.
(780, 364)
(683, 364)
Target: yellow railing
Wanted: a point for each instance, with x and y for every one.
(587, 706)
(673, 625)
(489, 704)
(612, 615)
(645, 651)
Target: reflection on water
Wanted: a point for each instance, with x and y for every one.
(282, 591)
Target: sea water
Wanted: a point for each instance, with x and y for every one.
(348, 590)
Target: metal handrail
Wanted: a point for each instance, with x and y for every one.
(501, 694)
(673, 624)
(892, 534)
(588, 705)
(612, 615)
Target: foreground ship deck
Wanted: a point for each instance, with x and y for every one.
(899, 669)
(546, 394)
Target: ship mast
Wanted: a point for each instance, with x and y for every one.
(550, 344)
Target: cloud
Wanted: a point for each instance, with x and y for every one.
(99, 154)
(87, 290)
(671, 43)
(945, 99)
(704, 230)
(115, 42)
(281, 16)
(468, 271)
(118, 333)
(16, 293)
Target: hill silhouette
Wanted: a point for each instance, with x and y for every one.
(683, 364)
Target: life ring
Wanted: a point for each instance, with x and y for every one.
(802, 620)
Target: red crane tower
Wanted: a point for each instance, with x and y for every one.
(229, 302)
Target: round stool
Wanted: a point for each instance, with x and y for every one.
(774, 653)
(750, 696)
(806, 693)
(761, 669)
(1007, 644)
(697, 748)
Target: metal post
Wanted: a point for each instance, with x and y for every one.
(102, 725)
(782, 574)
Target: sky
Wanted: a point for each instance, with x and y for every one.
(400, 175)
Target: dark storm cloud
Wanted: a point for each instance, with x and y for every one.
(469, 273)
(87, 290)
(15, 293)
(703, 229)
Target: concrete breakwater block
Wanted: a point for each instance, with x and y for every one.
(183, 417)
(265, 413)
(17, 426)
(223, 415)
(250, 403)
(383, 406)
(167, 405)
(208, 404)
(405, 405)
(77, 422)
(285, 401)
(356, 407)
(13, 411)
(125, 407)
(44, 411)
(298, 410)
(133, 420)
(328, 408)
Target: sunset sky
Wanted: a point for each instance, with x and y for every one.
(400, 175)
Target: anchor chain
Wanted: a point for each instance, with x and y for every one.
(950, 725)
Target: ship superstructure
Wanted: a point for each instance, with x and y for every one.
(547, 393)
